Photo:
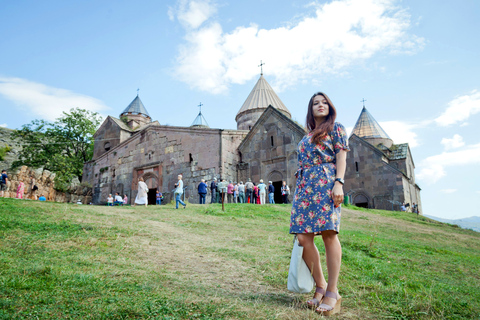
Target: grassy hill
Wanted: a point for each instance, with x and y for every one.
(87, 262)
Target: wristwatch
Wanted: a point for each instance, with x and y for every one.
(340, 180)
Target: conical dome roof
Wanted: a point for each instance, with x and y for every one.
(136, 107)
(367, 127)
(261, 96)
(200, 121)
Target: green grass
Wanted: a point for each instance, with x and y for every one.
(88, 262)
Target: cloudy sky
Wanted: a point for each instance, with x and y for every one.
(415, 62)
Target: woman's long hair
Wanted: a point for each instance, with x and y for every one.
(327, 125)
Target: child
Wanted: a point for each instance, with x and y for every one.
(110, 200)
(159, 197)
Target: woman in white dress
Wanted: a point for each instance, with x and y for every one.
(142, 193)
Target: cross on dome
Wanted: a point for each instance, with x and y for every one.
(261, 67)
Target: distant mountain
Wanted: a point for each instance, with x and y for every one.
(472, 223)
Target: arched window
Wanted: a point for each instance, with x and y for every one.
(106, 146)
(271, 140)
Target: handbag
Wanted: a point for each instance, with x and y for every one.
(300, 279)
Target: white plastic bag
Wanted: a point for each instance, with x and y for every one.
(300, 279)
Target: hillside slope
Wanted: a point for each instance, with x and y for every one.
(62, 260)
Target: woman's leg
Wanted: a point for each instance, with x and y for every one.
(312, 259)
(333, 251)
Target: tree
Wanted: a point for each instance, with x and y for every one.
(61, 147)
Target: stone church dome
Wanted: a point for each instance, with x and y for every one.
(369, 129)
(136, 114)
(261, 96)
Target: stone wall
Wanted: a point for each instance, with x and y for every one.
(45, 181)
(369, 177)
(269, 152)
(109, 133)
(160, 153)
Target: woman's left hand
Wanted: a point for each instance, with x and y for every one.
(337, 193)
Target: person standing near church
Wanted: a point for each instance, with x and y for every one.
(262, 191)
(249, 188)
(285, 192)
(213, 189)
(179, 192)
(158, 198)
(235, 192)
(318, 196)
(230, 188)
(3, 182)
(142, 195)
(271, 192)
(202, 191)
(33, 188)
(255, 194)
(20, 189)
(222, 188)
(241, 192)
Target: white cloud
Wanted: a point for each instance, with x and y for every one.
(192, 14)
(401, 132)
(336, 35)
(432, 168)
(3, 125)
(455, 142)
(44, 101)
(448, 190)
(460, 109)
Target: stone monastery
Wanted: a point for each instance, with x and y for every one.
(264, 146)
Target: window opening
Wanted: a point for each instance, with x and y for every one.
(356, 166)
(271, 140)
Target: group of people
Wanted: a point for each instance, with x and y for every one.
(233, 192)
(21, 188)
(118, 200)
(406, 207)
(142, 194)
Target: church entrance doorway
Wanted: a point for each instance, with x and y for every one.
(278, 191)
(152, 184)
(360, 201)
(152, 196)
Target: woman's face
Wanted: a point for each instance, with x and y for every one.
(320, 108)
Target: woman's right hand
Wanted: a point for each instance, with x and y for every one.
(337, 194)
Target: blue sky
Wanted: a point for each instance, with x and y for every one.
(415, 62)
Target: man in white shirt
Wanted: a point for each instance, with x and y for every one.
(118, 200)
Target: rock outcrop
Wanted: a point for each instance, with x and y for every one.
(45, 182)
(44, 179)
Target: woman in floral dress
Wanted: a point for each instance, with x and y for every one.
(319, 193)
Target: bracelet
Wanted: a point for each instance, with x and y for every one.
(340, 180)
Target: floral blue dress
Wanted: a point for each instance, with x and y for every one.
(313, 210)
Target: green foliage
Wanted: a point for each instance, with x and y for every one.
(124, 119)
(61, 147)
(4, 151)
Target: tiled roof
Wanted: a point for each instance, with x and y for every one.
(121, 124)
(396, 151)
(368, 127)
(261, 96)
(136, 107)
(200, 121)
